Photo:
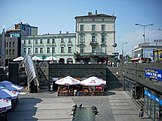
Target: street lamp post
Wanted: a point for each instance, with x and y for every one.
(144, 35)
(123, 50)
(144, 26)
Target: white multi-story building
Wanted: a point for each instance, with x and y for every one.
(95, 37)
(60, 46)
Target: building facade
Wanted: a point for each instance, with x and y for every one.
(145, 50)
(95, 37)
(60, 46)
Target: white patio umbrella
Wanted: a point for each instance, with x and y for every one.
(36, 58)
(19, 59)
(10, 86)
(93, 81)
(68, 80)
(50, 58)
(5, 93)
(5, 105)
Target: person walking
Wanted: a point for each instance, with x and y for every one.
(141, 112)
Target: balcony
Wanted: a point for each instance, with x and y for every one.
(93, 43)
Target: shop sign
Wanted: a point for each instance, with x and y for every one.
(153, 74)
(153, 97)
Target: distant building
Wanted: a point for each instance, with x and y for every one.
(61, 46)
(95, 37)
(13, 39)
(145, 50)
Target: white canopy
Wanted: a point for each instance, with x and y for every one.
(93, 81)
(68, 80)
(19, 59)
(10, 86)
(5, 105)
(50, 58)
(36, 58)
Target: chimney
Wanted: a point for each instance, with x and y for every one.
(67, 32)
(59, 32)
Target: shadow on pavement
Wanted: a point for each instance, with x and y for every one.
(25, 110)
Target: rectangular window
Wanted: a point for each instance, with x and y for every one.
(6, 44)
(53, 40)
(36, 50)
(103, 39)
(29, 42)
(48, 41)
(24, 41)
(9, 51)
(62, 40)
(13, 44)
(93, 27)
(41, 50)
(24, 50)
(102, 27)
(53, 49)
(93, 49)
(81, 27)
(69, 41)
(41, 41)
(62, 49)
(10, 44)
(36, 41)
(69, 50)
(48, 49)
(81, 39)
(93, 38)
(81, 50)
(29, 50)
(13, 52)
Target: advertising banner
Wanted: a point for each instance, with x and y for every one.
(153, 74)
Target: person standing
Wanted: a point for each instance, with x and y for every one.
(141, 112)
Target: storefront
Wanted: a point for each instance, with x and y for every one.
(153, 104)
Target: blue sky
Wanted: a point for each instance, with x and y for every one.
(52, 16)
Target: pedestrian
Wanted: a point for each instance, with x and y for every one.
(141, 112)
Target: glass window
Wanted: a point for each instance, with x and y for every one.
(69, 49)
(93, 49)
(24, 41)
(9, 51)
(53, 40)
(103, 39)
(62, 49)
(13, 52)
(13, 44)
(24, 50)
(41, 50)
(69, 41)
(81, 27)
(93, 27)
(10, 44)
(29, 50)
(93, 38)
(103, 49)
(102, 27)
(29, 42)
(36, 50)
(62, 40)
(36, 41)
(6, 44)
(81, 39)
(53, 49)
(81, 50)
(41, 41)
(48, 41)
(48, 49)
